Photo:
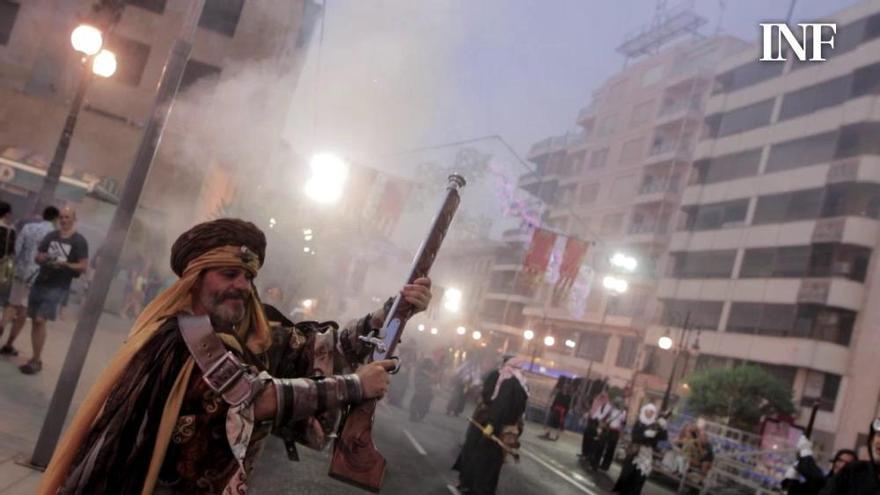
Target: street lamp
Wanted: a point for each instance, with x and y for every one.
(477, 335)
(615, 284)
(308, 303)
(452, 300)
(624, 262)
(89, 41)
(329, 173)
(529, 334)
(461, 330)
(421, 327)
(570, 344)
(665, 343)
(549, 341)
(434, 331)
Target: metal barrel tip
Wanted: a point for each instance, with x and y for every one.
(458, 180)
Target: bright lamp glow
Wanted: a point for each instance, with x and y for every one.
(615, 284)
(452, 300)
(104, 64)
(329, 173)
(87, 39)
(529, 334)
(624, 261)
(434, 331)
(477, 335)
(308, 303)
(665, 343)
(570, 344)
(461, 330)
(421, 328)
(549, 341)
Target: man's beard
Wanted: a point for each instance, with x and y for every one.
(222, 316)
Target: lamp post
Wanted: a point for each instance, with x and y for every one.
(666, 344)
(89, 41)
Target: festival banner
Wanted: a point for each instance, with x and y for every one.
(538, 256)
(572, 258)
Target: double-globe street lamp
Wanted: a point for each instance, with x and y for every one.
(96, 61)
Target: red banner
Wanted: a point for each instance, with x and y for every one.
(538, 255)
(358, 187)
(572, 257)
(391, 203)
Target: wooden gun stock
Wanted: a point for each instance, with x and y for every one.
(355, 458)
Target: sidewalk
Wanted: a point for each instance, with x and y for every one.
(25, 399)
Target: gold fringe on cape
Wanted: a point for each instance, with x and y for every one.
(175, 300)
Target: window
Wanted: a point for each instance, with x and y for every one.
(789, 207)
(816, 97)
(746, 75)
(710, 216)
(589, 193)
(802, 152)
(816, 260)
(221, 16)
(626, 355)
(704, 264)
(858, 139)
(196, 71)
(8, 14)
(821, 387)
(131, 59)
(574, 164)
(157, 6)
(806, 321)
(848, 37)
(599, 158)
(702, 315)
(852, 199)
(727, 167)
(632, 151)
(593, 346)
(611, 224)
(866, 81)
(641, 113)
(740, 119)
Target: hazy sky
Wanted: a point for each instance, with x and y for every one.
(398, 74)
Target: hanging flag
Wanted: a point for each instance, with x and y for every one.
(538, 256)
(580, 291)
(552, 274)
(572, 258)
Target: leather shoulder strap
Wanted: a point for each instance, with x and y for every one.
(221, 370)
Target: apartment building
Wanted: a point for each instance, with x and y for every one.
(773, 253)
(39, 72)
(617, 181)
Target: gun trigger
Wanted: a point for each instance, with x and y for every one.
(396, 360)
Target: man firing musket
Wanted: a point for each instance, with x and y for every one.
(207, 357)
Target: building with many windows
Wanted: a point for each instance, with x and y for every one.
(772, 256)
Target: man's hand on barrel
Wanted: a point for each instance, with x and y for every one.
(418, 294)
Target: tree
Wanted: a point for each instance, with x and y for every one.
(740, 395)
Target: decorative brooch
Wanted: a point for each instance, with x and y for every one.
(247, 256)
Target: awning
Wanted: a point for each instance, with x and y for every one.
(20, 178)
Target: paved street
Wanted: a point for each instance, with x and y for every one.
(419, 454)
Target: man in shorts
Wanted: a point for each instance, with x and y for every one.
(62, 255)
(26, 268)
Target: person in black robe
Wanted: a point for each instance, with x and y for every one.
(646, 434)
(806, 477)
(500, 414)
(859, 477)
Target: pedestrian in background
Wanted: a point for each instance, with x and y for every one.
(7, 253)
(62, 255)
(647, 433)
(26, 244)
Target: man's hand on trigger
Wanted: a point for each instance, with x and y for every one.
(418, 294)
(375, 378)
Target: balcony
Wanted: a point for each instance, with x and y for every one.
(556, 143)
(678, 111)
(586, 114)
(656, 191)
(647, 231)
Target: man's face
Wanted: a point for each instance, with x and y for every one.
(223, 293)
(875, 446)
(841, 461)
(66, 219)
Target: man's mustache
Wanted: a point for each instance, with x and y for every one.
(232, 295)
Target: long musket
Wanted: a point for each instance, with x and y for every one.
(355, 458)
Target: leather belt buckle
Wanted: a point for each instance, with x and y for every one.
(224, 373)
